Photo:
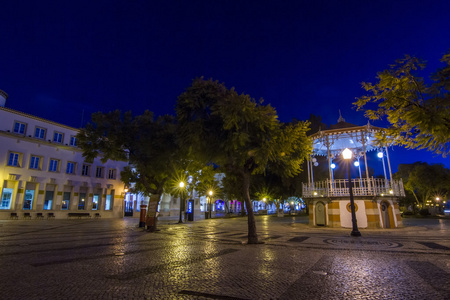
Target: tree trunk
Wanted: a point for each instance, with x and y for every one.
(252, 235)
(242, 207)
(151, 219)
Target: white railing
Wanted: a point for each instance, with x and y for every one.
(361, 187)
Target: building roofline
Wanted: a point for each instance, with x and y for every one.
(367, 127)
(38, 118)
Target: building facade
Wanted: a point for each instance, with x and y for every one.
(43, 173)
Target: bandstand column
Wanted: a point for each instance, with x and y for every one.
(365, 160)
(389, 164)
(329, 163)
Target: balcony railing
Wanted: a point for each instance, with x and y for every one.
(361, 187)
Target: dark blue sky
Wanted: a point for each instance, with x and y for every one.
(60, 58)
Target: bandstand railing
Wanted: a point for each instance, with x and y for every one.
(361, 187)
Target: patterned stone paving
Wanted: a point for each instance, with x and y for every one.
(210, 259)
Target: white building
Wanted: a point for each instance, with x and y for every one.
(43, 173)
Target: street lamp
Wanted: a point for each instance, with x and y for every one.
(181, 185)
(210, 195)
(347, 154)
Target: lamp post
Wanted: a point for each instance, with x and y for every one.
(347, 154)
(210, 195)
(181, 185)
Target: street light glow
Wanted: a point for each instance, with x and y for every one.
(333, 166)
(356, 163)
(181, 184)
(380, 154)
(347, 153)
(210, 193)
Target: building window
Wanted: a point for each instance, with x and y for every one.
(6, 198)
(39, 133)
(14, 159)
(73, 141)
(85, 170)
(35, 162)
(95, 201)
(81, 201)
(58, 137)
(19, 127)
(66, 201)
(48, 200)
(28, 200)
(53, 165)
(112, 174)
(99, 172)
(108, 201)
(70, 167)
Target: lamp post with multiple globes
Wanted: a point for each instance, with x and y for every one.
(347, 154)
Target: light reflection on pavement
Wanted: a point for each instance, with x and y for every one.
(209, 259)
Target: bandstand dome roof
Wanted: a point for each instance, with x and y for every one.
(343, 135)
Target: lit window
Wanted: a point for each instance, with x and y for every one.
(6, 198)
(13, 160)
(19, 127)
(58, 137)
(53, 166)
(99, 172)
(70, 167)
(48, 201)
(95, 200)
(82, 201)
(85, 170)
(109, 200)
(39, 133)
(34, 162)
(73, 141)
(66, 201)
(28, 200)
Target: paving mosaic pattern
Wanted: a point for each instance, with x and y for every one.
(210, 259)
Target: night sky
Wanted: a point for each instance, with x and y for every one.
(63, 60)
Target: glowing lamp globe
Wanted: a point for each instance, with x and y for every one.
(347, 153)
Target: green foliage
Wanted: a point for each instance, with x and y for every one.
(425, 181)
(419, 113)
(240, 135)
(237, 132)
(148, 144)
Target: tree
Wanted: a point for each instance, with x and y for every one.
(419, 112)
(240, 135)
(148, 144)
(197, 180)
(425, 181)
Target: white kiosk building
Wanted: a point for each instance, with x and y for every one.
(376, 199)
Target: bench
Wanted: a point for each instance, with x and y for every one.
(27, 216)
(14, 216)
(39, 216)
(79, 215)
(50, 216)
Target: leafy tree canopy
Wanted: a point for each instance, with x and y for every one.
(425, 181)
(240, 135)
(148, 144)
(418, 111)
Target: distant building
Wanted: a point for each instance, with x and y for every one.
(42, 171)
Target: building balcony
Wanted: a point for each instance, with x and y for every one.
(361, 187)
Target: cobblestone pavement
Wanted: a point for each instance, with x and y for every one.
(209, 259)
